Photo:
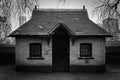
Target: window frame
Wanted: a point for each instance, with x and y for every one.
(89, 49)
(38, 54)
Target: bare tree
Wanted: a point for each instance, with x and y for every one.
(5, 30)
(9, 7)
(108, 11)
(59, 2)
(107, 8)
(5, 24)
(22, 5)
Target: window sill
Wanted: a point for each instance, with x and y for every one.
(85, 58)
(35, 58)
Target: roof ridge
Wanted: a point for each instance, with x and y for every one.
(56, 9)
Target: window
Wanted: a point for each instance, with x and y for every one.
(35, 50)
(85, 50)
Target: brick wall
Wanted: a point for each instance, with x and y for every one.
(98, 51)
(22, 52)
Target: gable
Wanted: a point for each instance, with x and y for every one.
(61, 28)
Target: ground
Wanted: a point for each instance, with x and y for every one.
(7, 73)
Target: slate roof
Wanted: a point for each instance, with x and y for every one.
(43, 21)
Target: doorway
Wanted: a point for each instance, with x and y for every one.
(60, 49)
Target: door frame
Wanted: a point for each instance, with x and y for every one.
(66, 35)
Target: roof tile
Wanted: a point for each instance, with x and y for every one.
(44, 20)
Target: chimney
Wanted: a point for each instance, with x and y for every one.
(84, 7)
(35, 7)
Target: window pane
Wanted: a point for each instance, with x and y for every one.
(35, 50)
(85, 50)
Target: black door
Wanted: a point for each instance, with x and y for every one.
(60, 46)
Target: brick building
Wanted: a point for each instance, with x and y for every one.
(60, 40)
